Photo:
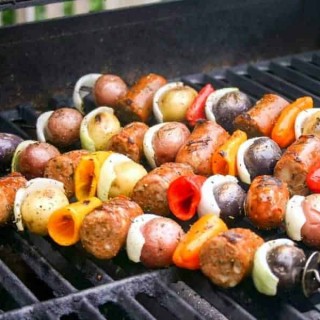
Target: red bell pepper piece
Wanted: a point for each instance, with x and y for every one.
(313, 179)
(184, 195)
(196, 110)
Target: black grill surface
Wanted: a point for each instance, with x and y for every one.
(40, 280)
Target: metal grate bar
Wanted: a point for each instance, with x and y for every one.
(295, 77)
(216, 82)
(247, 85)
(310, 69)
(279, 85)
(316, 59)
(20, 293)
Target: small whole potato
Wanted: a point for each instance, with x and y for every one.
(63, 127)
(38, 206)
(152, 240)
(34, 157)
(168, 140)
(175, 102)
(108, 89)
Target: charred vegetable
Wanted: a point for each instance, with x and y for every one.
(60, 127)
(257, 156)
(278, 266)
(224, 105)
(108, 89)
(171, 102)
(8, 145)
(222, 195)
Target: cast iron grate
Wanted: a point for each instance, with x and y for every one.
(40, 280)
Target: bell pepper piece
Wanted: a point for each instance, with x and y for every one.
(224, 159)
(283, 131)
(64, 224)
(196, 110)
(184, 194)
(186, 254)
(313, 178)
(87, 174)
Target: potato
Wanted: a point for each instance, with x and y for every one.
(152, 240)
(33, 159)
(108, 89)
(37, 207)
(63, 127)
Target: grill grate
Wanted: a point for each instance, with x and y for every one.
(67, 283)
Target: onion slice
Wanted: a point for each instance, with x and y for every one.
(87, 80)
(301, 118)
(208, 203)
(294, 217)
(16, 156)
(157, 97)
(213, 99)
(135, 238)
(41, 125)
(264, 279)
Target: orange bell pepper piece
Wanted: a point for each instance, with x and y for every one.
(186, 254)
(283, 131)
(64, 224)
(224, 159)
(87, 174)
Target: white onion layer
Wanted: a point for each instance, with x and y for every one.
(264, 280)
(294, 217)
(41, 125)
(213, 99)
(157, 97)
(87, 80)
(208, 203)
(148, 145)
(135, 238)
(300, 120)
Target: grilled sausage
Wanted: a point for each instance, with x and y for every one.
(150, 192)
(136, 105)
(197, 151)
(266, 201)
(62, 168)
(228, 258)
(104, 231)
(260, 119)
(9, 186)
(129, 141)
(295, 163)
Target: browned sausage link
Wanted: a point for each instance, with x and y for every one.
(9, 186)
(129, 141)
(260, 119)
(62, 168)
(205, 138)
(136, 105)
(150, 192)
(266, 202)
(296, 162)
(228, 258)
(104, 231)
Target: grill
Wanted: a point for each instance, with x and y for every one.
(39, 279)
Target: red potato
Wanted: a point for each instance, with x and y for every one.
(104, 231)
(63, 127)
(137, 104)
(198, 149)
(150, 192)
(34, 158)
(129, 141)
(152, 240)
(108, 89)
(265, 204)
